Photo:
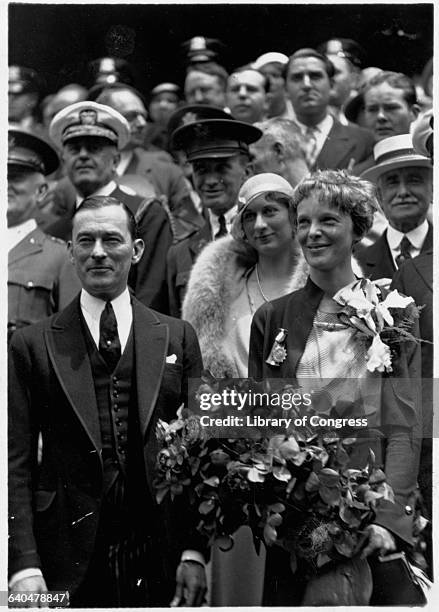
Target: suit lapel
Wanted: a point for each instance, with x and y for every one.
(335, 148)
(428, 242)
(151, 338)
(379, 256)
(424, 267)
(300, 317)
(199, 240)
(31, 244)
(69, 357)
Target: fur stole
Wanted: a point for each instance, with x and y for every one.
(216, 280)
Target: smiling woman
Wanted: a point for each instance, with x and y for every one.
(328, 350)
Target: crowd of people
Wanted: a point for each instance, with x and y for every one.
(218, 225)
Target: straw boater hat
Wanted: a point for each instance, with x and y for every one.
(394, 152)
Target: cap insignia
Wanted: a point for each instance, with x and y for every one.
(88, 117)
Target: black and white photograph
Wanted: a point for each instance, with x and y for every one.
(220, 339)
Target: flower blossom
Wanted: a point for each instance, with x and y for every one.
(379, 357)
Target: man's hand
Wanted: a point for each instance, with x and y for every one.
(378, 539)
(35, 584)
(191, 585)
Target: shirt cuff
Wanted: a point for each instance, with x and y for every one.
(25, 573)
(193, 555)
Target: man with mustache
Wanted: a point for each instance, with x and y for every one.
(309, 78)
(405, 187)
(90, 137)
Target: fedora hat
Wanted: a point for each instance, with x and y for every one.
(394, 152)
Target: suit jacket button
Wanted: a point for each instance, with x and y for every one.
(408, 510)
(30, 284)
(32, 240)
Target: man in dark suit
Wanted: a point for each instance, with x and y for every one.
(90, 136)
(405, 187)
(329, 144)
(41, 280)
(219, 154)
(93, 380)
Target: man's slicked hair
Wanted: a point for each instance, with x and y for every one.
(308, 52)
(96, 202)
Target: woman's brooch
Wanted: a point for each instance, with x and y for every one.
(278, 351)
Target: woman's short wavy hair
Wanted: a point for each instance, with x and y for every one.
(349, 194)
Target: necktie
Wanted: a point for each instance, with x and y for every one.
(310, 146)
(109, 343)
(404, 254)
(222, 227)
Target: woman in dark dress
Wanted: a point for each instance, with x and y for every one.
(333, 211)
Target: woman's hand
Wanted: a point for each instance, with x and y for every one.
(378, 539)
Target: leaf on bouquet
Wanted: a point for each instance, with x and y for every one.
(371, 497)
(161, 494)
(275, 520)
(377, 476)
(281, 473)
(329, 477)
(255, 475)
(270, 535)
(213, 481)
(349, 516)
(386, 491)
(330, 495)
(277, 507)
(345, 545)
(348, 441)
(219, 457)
(176, 489)
(206, 506)
(312, 483)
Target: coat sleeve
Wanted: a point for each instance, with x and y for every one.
(148, 277)
(402, 419)
(23, 432)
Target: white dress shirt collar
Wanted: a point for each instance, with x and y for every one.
(416, 236)
(106, 190)
(229, 216)
(18, 232)
(92, 308)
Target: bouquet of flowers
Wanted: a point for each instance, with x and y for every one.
(382, 316)
(293, 489)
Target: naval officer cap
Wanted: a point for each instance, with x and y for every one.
(23, 80)
(29, 152)
(89, 119)
(215, 138)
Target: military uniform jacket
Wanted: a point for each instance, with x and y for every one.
(181, 258)
(41, 279)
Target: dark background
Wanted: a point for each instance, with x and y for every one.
(59, 40)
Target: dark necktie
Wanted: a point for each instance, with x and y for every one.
(222, 227)
(404, 254)
(109, 343)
